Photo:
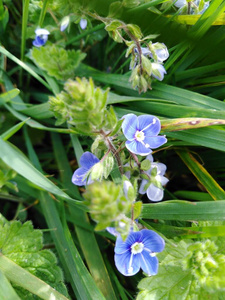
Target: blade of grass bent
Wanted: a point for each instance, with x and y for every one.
(202, 175)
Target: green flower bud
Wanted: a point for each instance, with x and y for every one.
(106, 202)
(84, 107)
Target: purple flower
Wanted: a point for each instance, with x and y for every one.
(138, 252)
(142, 133)
(154, 191)
(87, 161)
(41, 37)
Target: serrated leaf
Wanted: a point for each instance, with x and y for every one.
(137, 209)
(57, 61)
(108, 164)
(170, 283)
(23, 245)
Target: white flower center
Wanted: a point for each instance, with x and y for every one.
(139, 136)
(137, 248)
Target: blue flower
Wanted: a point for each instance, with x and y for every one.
(80, 176)
(138, 252)
(154, 191)
(142, 133)
(41, 37)
(83, 23)
(158, 71)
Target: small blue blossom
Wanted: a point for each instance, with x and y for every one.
(154, 191)
(83, 23)
(158, 71)
(64, 23)
(142, 133)
(80, 176)
(41, 37)
(138, 252)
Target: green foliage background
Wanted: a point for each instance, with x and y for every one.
(38, 156)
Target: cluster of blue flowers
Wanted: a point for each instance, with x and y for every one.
(140, 247)
(41, 34)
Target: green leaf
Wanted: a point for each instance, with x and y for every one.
(8, 96)
(23, 245)
(184, 210)
(170, 283)
(57, 61)
(108, 164)
(137, 209)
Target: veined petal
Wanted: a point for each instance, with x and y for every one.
(152, 241)
(147, 121)
(163, 180)
(142, 190)
(78, 176)
(38, 42)
(129, 126)
(148, 263)
(137, 148)
(161, 168)
(153, 129)
(126, 264)
(124, 246)
(154, 193)
(155, 141)
(88, 160)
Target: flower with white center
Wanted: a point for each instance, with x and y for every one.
(41, 37)
(142, 133)
(87, 161)
(158, 71)
(138, 252)
(83, 23)
(156, 173)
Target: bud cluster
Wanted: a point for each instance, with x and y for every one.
(106, 202)
(206, 264)
(84, 107)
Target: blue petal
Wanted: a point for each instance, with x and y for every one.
(78, 176)
(129, 126)
(149, 264)
(88, 160)
(122, 262)
(38, 42)
(153, 129)
(155, 141)
(154, 193)
(152, 241)
(137, 148)
(124, 246)
(147, 121)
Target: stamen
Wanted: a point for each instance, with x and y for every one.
(153, 122)
(130, 269)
